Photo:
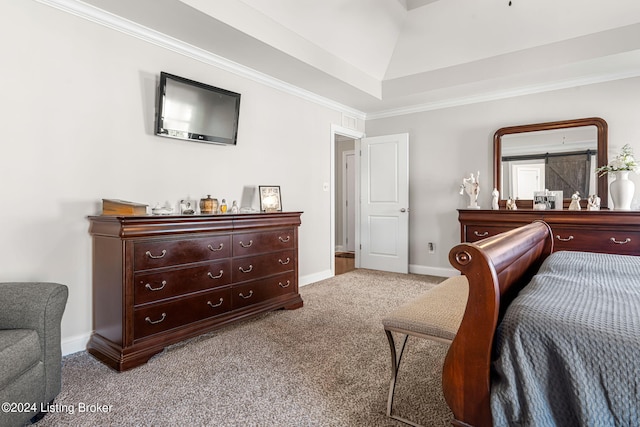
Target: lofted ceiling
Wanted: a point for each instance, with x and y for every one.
(385, 57)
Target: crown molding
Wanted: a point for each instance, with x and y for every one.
(503, 94)
(115, 22)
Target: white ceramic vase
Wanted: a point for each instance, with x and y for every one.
(622, 190)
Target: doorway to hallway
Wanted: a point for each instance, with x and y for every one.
(345, 262)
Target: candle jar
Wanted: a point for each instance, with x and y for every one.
(208, 205)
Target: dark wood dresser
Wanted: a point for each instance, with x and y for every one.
(616, 232)
(158, 280)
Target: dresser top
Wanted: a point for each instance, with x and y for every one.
(552, 211)
(504, 216)
(154, 225)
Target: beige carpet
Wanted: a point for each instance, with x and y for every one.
(326, 364)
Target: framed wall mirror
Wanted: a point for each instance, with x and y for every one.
(554, 156)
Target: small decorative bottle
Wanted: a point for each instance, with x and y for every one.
(234, 207)
(223, 206)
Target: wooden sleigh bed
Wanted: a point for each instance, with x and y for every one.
(499, 269)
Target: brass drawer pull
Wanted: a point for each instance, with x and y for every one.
(248, 296)
(211, 276)
(620, 242)
(219, 248)
(148, 286)
(481, 234)
(284, 286)
(284, 240)
(215, 305)
(154, 322)
(246, 245)
(246, 271)
(564, 240)
(150, 255)
(284, 262)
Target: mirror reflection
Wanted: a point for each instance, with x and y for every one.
(556, 156)
(556, 160)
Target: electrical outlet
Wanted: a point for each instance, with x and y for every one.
(432, 247)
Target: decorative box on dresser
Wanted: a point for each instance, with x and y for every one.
(616, 232)
(158, 280)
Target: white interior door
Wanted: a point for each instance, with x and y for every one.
(384, 203)
(527, 179)
(349, 194)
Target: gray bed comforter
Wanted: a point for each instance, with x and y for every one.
(567, 352)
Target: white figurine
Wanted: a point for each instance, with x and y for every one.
(494, 201)
(575, 202)
(593, 203)
(511, 204)
(471, 186)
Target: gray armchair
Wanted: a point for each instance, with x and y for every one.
(30, 353)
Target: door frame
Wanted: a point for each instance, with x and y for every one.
(345, 188)
(357, 135)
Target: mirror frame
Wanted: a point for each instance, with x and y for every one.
(602, 158)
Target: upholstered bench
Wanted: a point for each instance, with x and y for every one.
(434, 315)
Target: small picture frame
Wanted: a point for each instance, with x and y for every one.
(558, 198)
(270, 200)
(547, 200)
(188, 207)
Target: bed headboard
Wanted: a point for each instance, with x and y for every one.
(497, 268)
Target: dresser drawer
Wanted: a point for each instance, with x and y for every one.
(262, 290)
(158, 280)
(149, 287)
(266, 241)
(473, 232)
(155, 318)
(607, 241)
(255, 267)
(163, 253)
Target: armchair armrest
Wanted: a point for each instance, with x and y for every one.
(26, 305)
(37, 306)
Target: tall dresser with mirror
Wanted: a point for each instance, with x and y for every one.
(567, 151)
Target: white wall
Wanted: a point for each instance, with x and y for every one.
(446, 145)
(76, 114)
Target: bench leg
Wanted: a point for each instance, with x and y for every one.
(395, 366)
(396, 358)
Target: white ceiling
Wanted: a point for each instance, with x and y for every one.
(382, 57)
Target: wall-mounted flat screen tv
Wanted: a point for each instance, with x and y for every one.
(196, 111)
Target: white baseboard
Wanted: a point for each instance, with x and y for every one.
(433, 271)
(316, 277)
(75, 344)
(79, 342)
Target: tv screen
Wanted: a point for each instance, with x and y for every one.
(195, 111)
